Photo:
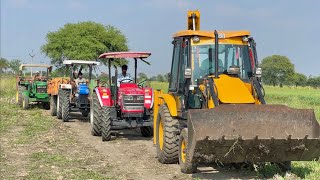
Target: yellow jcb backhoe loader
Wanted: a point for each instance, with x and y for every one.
(215, 110)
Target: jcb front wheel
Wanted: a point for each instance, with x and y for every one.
(186, 165)
(167, 137)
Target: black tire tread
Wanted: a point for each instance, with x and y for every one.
(170, 151)
(53, 105)
(186, 167)
(96, 125)
(59, 113)
(146, 131)
(65, 105)
(106, 124)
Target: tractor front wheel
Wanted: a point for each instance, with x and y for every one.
(106, 123)
(53, 105)
(167, 137)
(59, 105)
(95, 119)
(146, 131)
(65, 108)
(186, 165)
(25, 102)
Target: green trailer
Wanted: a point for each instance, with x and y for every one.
(33, 88)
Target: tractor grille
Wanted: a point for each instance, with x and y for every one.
(41, 89)
(133, 102)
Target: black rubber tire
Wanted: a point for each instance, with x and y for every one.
(106, 123)
(85, 113)
(65, 105)
(20, 95)
(186, 167)
(25, 103)
(169, 153)
(59, 105)
(95, 114)
(46, 105)
(146, 131)
(53, 105)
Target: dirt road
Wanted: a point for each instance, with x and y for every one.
(134, 157)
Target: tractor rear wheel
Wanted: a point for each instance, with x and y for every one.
(59, 105)
(106, 123)
(65, 105)
(53, 105)
(95, 114)
(186, 165)
(25, 102)
(146, 131)
(167, 137)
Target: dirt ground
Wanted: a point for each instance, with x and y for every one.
(69, 151)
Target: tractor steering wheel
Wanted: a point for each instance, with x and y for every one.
(126, 79)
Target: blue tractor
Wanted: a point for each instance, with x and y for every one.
(74, 95)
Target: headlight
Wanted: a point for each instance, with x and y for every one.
(128, 98)
(140, 97)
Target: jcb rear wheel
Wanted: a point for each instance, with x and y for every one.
(65, 105)
(186, 165)
(53, 105)
(146, 131)
(95, 119)
(106, 124)
(167, 138)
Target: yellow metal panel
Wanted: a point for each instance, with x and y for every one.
(169, 99)
(206, 41)
(156, 104)
(232, 90)
(210, 34)
(190, 21)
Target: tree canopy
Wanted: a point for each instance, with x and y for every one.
(14, 65)
(276, 70)
(83, 41)
(4, 64)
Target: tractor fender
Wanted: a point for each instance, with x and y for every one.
(104, 96)
(171, 103)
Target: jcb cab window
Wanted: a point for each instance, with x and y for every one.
(175, 65)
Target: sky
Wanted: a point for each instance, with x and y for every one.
(285, 27)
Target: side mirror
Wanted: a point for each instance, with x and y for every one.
(187, 73)
(258, 72)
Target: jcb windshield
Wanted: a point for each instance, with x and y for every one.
(229, 55)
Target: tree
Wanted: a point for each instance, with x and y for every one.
(313, 81)
(84, 41)
(142, 76)
(4, 64)
(14, 65)
(160, 78)
(167, 77)
(276, 70)
(153, 78)
(298, 79)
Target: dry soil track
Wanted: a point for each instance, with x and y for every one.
(133, 157)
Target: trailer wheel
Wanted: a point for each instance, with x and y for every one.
(65, 105)
(167, 137)
(95, 120)
(186, 165)
(53, 105)
(25, 102)
(106, 124)
(146, 131)
(59, 105)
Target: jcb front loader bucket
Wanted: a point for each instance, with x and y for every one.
(254, 133)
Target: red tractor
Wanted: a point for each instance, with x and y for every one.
(124, 103)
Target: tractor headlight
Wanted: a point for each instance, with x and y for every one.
(140, 98)
(128, 98)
